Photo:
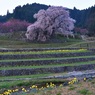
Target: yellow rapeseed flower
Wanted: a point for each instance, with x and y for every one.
(23, 89)
(34, 86)
(84, 79)
(60, 85)
(16, 90)
(47, 86)
(69, 82)
(6, 93)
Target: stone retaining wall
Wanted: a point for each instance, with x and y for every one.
(28, 56)
(45, 62)
(46, 70)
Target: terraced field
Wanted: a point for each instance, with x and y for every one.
(20, 64)
(45, 61)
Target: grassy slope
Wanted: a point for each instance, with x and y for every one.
(13, 42)
(10, 42)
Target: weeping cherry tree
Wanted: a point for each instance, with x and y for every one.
(54, 20)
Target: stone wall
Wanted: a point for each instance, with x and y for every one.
(29, 56)
(46, 70)
(45, 62)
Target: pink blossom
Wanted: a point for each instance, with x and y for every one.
(50, 21)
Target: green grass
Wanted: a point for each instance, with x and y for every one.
(10, 42)
(85, 44)
(84, 92)
(20, 83)
(10, 84)
(34, 79)
(2, 78)
(44, 52)
(19, 44)
(71, 87)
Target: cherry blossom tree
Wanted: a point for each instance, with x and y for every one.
(13, 25)
(54, 20)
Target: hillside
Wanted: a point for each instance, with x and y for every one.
(84, 18)
(25, 12)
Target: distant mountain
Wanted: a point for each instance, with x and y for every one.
(84, 18)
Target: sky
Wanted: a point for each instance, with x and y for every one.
(11, 4)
